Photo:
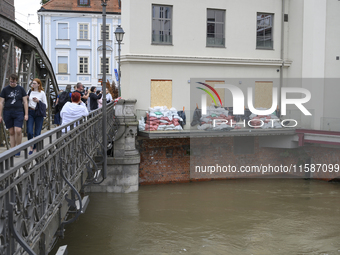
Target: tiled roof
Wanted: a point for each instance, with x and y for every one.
(72, 6)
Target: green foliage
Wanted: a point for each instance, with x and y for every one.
(44, 1)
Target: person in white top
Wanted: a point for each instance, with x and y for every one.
(74, 110)
(109, 98)
(36, 96)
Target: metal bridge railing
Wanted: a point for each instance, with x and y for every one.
(33, 191)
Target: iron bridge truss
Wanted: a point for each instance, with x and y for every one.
(21, 53)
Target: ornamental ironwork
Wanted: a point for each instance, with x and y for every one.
(38, 195)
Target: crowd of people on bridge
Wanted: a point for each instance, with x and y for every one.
(17, 105)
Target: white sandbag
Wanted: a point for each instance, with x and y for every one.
(204, 126)
(179, 118)
(251, 116)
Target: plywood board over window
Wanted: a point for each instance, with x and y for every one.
(62, 68)
(161, 93)
(263, 94)
(220, 92)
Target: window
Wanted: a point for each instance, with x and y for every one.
(107, 32)
(84, 2)
(62, 64)
(215, 27)
(264, 32)
(161, 24)
(83, 65)
(107, 65)
(83, 31)
(62, 31)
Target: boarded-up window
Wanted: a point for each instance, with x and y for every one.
(263, 94)
(62, 64)
(220, 92)
(161, 93)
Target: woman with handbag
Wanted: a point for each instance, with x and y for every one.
(36, 102)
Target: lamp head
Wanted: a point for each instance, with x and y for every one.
(119, 33)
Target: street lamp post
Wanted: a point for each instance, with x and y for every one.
(104, 124)
(119, 33)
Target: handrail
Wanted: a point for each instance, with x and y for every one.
(37, 186)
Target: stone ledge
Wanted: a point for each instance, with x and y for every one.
(127, 160)
(202, 133)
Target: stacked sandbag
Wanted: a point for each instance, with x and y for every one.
(264, 121)
(160, 118)
(221, 117)
(141, 124)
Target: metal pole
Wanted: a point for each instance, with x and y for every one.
(119, 93)
(104, 93)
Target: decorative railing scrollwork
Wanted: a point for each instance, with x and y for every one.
(33, 191)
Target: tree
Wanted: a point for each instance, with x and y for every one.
(44, 2)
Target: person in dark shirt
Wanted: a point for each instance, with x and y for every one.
(94, 98)
(13, 102)
(80, 90)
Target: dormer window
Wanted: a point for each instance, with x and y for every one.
(84, 2)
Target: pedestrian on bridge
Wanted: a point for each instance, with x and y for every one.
(35, 96)
(74, 110)
(80, 89)
(62, 98)
(93, 98)
(14, 98)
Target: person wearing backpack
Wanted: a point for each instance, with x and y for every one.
(62, 99)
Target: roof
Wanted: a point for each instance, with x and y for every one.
(72, 6)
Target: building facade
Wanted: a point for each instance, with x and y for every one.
(71, 35)
(283, 43)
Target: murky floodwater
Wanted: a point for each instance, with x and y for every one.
(220, 217)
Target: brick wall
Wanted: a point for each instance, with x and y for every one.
(168, 160)
(7, 9)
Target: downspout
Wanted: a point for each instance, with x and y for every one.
(281, 54)
(41, 31)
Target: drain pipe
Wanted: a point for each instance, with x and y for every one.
(281, 54)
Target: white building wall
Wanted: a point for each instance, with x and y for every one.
(311, 36)
(189, 28)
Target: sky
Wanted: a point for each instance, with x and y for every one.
(26, 15)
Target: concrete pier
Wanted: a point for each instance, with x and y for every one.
(123, 167)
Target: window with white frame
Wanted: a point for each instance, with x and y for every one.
(161, 24)
(264, 32)
(107, 32)
(62, 31)
(107, 65)
(62, 64)
(83, 31)
(215, 27)
(83, 65)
